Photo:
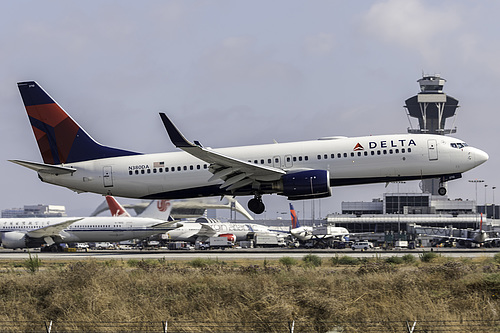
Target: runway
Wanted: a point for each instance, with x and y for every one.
(237, 254)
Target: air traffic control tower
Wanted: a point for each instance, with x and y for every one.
(431, 107)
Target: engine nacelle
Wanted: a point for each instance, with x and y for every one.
(308, 184)
(14, 240)
(230, 237)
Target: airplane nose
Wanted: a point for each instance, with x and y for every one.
(480, 156)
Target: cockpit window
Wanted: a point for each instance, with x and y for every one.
(458, 145)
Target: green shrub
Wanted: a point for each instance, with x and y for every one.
(312, 260)
(288, 262)
(428, 256)
(394, 260)
(408, 258)
(32, 264)
(344, 260)
(496, 257)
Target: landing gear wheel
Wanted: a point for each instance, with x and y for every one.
(442, 190)
(256, 205)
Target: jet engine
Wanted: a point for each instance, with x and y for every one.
(230, 237)
(308, 184)
(19, 240)
(14, 240)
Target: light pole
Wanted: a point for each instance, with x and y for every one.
(485, 212)
(476, 181)
(493, 191)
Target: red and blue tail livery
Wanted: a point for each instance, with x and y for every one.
(295, 219)
(60, 139)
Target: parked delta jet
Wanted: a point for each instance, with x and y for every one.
(297, 170)
(304, 233)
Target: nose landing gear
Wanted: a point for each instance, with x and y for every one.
(256, 205)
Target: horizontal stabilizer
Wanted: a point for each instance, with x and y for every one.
(44, 168)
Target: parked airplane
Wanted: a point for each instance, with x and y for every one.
(297, 170)
(304, 233)
(465, 237)
(35, 232)
(204, 228)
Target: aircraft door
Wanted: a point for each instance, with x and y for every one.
(288, 161)
(432, 149)
(277, 161)
(107, 176)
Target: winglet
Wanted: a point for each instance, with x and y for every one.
(175, 135)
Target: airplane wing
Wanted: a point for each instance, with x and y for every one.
(206, 231)
(234, 172)
(45, 168)
(51, 230)
(167, 225)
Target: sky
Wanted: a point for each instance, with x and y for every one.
(244, 72)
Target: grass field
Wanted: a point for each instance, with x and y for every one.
(314, 290)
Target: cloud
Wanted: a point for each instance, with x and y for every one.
(321, 44)
(411, 24)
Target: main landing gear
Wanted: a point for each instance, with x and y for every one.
(442, 189)
(256, 205)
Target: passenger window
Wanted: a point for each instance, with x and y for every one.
(345, 154)
(268, 161)
(306, 158)
(198, 167)
(191, 167)
(378, 152)
(409, 150)
(339, 155)
(390, 151)
(333, 155)
(365, 153)
(295, 159)
(255, 162)
(262, 161)
(372, 152)
(149, 170)
(319, 157)
(402, 150)
(325, 156)
(385, 152)
(136, 172)
(130, 172)
(352, 154)
(300, 158)
(185, 168)
(142, 171)
(178, 168)
(204, 166)
(359, 153)
(397, 151)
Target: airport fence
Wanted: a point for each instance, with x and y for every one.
(301, 326)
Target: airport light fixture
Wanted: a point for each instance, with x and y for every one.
(476, 181)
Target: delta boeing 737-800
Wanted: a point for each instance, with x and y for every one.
(296, 170)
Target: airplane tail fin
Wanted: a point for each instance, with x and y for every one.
(295, 219)
(158, 209)
(115, 208)
(60, 139)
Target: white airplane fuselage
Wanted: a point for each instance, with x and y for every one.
(86, 229)
(191, 231)
(350, 161)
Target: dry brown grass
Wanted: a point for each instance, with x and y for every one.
(211, 291)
